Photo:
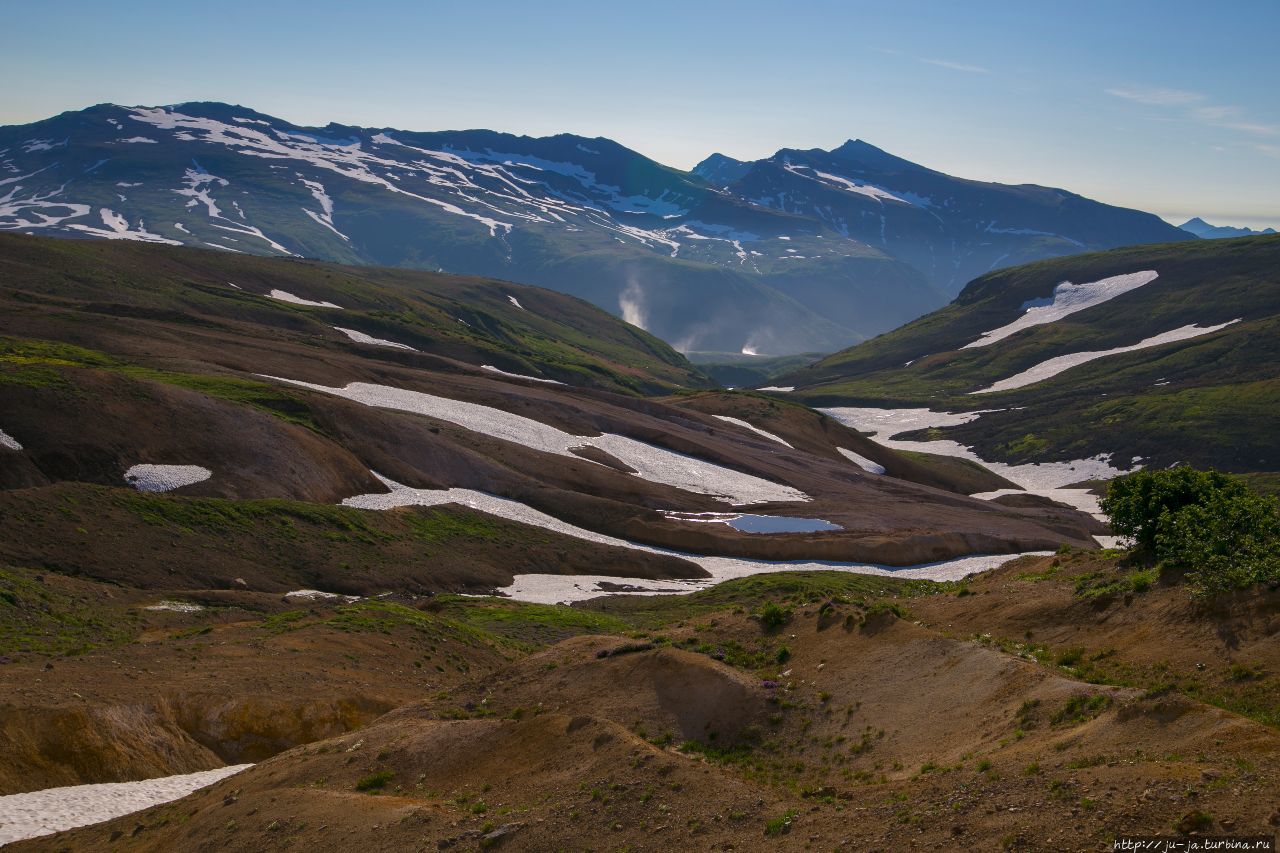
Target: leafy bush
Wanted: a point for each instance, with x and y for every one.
(1135, 503)
(1210, 524)
(1230, 543)
(375, 781)
(773, 615)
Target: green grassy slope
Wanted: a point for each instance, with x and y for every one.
(1207, 400)
(469, 319)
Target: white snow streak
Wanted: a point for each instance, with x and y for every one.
(552, 589)
(362, 338)
(652, 463)
(286, 296)
(53, 810)
(1067, 299)
(1053, 366)
(755, 429)
(861, 461)
(492, 369)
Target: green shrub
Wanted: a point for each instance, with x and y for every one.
(1136, 502)
(1229, 543)
(773, 615)
(779, 825)
(375, 781)
(1207, 523)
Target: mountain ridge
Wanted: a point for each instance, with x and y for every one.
(703, 267)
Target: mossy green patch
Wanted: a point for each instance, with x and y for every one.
(36, 618)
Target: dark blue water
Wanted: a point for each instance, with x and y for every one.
(780, 524)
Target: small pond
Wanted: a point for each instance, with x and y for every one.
(747, 523)
(780, 524)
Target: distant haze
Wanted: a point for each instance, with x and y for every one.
(1152, 104)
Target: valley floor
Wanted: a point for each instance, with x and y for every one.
(1047, 704)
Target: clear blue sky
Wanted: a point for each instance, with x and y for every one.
(1164, 105)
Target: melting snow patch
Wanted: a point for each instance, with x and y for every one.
(515, 302)
(362, 338)
(9, 441)
(136, 139)
(492, 369)
(755, 429)
(175, 606)
(165, 478)
(781, 389)
(317, 595)
(1067, 299)
(861, 461)
(286, 296)
(1042, 478)
(1053, 366)
(117, 228)
(656, 464)
(553, 589)
(38, 813)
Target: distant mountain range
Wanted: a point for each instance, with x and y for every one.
(1203, 229)
(1167, 353)
(800, 252)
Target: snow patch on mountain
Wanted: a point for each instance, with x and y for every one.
(325, 216)
(8, 441)
(286, 296)
(1053, 366)
(1067, 299)
(345, 157)
(38, 813)
(165, 478)
(551, 589)
(653, 463)
(753, 428)
(861, 461)
(117, 228)
(501, 372)
(362, 338)
(1042, 478)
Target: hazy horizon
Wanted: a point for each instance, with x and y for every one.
(1150, 105)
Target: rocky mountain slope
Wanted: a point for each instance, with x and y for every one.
(805, 251)
(1168, 353)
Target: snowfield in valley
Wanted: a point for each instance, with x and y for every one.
(38, 813)
(552, 589)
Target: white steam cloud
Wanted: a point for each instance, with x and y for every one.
(631, 303)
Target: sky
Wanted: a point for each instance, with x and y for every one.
(1161, 105)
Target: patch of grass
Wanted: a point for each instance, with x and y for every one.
(375, 782)
(779, 825)
(1080, 709)
(774, 616)
(36, 618)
